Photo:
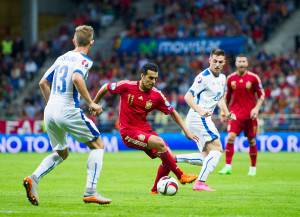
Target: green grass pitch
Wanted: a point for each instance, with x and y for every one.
(127, 178)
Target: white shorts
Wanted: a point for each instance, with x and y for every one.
(60, 120)
(202, 127)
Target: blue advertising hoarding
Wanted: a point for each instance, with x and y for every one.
(233, 45)
(268, 142)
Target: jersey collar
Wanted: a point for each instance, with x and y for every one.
(213, 73)
(246, 72)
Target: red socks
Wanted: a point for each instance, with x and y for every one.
(229, 152)
(169, 161)
(253, 155)
(163, 170)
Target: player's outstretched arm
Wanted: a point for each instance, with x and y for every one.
(189, 98)
(176, 117)
(45, 88)
(102, 91)
(254, 112)
(80, 85)
(224, 109)
(258, 89)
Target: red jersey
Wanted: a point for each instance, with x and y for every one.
(135, 104)
(242, 93)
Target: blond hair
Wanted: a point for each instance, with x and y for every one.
(83, 35)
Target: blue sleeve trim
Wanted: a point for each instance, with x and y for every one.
(75, 97)
(205, 72)
(49, 78)
(192, 92)
(79, 71)
(86, 56)
(198, 96)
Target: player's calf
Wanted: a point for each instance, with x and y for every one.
(192, 158)
(157, 143)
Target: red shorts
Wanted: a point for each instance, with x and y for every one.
(138, 139)
(249, 127)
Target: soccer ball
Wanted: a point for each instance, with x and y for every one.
(167, 186)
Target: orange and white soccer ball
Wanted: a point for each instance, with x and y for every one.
(167, 186)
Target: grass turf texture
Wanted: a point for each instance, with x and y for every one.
(127, 178)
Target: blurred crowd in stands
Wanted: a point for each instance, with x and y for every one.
(280, 77)
(19, 64)
(254, 19)
(18, 67)
(100, 14)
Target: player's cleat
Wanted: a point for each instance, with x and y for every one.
(31, 190)
(226, 170)
(201, 186)
(252, 171)
(96, 198)
(154, 192)
(185, 178)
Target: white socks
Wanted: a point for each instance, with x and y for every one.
(209, 164)
(94, 166)
(228, 166)
(47, 165)
(192, 158)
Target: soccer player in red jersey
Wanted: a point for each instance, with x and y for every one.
(137, 99)
(244, 96)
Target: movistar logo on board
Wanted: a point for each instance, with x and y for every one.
(184, 47)
(148, 47)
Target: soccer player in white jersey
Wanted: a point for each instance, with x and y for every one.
(61, 86)
(206, 92)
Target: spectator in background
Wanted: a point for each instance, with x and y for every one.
(30, 69)
(7, 46)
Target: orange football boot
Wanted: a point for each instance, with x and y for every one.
(30, 186)
(97, 198)
(154, 192)
(185, 178)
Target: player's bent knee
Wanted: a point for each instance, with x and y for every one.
(214, 146)
(231, 138)
(96, 144)
(157, 143)
(252, 142)
(161, 146)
